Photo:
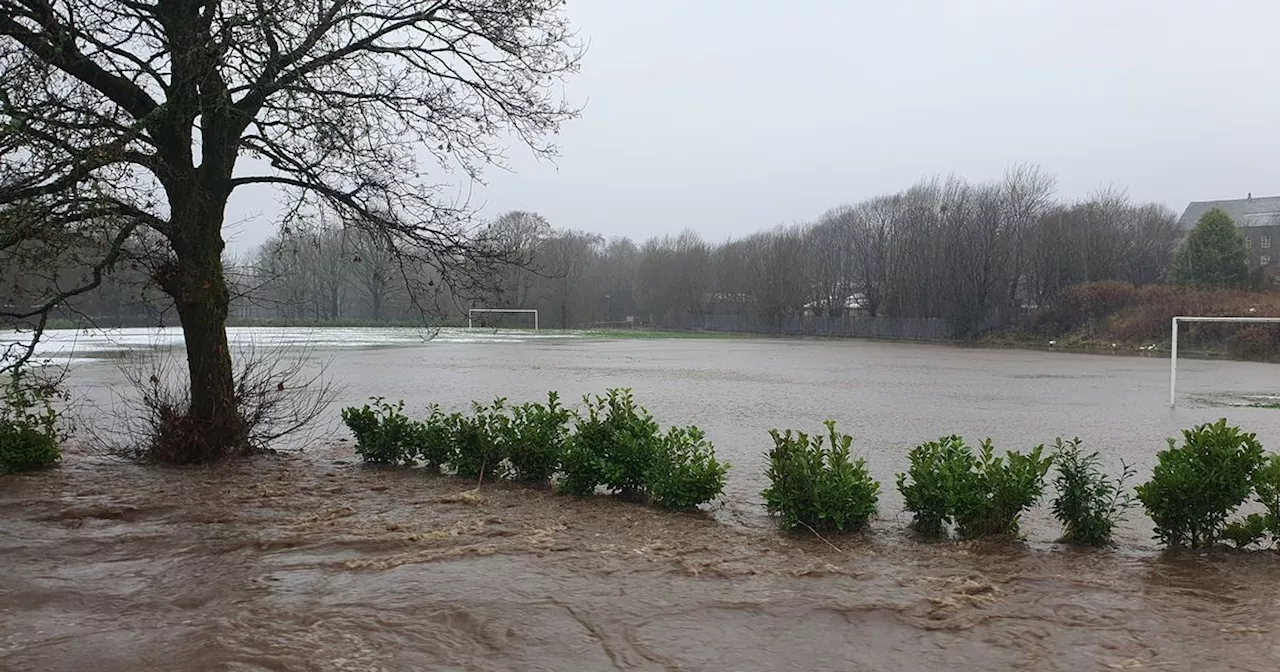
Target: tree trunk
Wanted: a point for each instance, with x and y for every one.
(216, 426)
(212, 427)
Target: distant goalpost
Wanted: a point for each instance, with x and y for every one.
(1173, 352)
(471, 314)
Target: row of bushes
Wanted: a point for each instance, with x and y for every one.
(31, 429)
(816, 483)
(615, 445)
(1194, 490)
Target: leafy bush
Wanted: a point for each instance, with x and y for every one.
(817, 486)
(982, 495)
(939, 471)
(1257, 527)
(1088, 503)
(384, 434)
(479, 441)
(1195, 486)
(614, 445)
(31, 429)
(435, 440)
(1005, 488)
(536, 439)
(685, 473)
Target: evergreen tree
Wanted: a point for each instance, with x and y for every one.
(1213, 255)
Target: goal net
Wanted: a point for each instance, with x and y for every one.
(1173, 339)
(502, 318)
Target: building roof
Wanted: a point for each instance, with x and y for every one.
(1245, 212)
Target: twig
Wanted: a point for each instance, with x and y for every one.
(824, 539)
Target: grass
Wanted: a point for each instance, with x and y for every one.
(1238, 400)
(342, 323)
(642, 334)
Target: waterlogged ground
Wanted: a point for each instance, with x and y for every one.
(312, 562)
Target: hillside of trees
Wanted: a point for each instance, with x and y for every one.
(966, 258)
(976, 256)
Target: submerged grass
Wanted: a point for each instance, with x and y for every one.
(644, 334)
(1237, 400)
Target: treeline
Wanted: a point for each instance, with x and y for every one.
(977, 255)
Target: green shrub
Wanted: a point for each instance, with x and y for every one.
(31, 429)
(435, 440)
(1254, 529)
(614, 445)
(1259, 527)
(536, 439)
(818, 486)
(939, 471)
(685, 473)
(1006, 487)
(1196, 486)
(384, 434)
(479, 445)
(983, 495)
(1088, 503)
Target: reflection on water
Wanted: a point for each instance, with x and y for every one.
(311, 562)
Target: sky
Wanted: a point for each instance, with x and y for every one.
(733, 116)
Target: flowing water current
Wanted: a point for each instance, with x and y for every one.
(309, 561)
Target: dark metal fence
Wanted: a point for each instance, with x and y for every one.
(849, 326)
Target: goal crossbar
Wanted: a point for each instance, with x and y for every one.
(1173, 350)
(472, 311)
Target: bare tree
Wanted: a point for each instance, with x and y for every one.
(567, 259)
(328, 261)
(827, 244)
(118, 117)
(1026, 195)
(615, 274)
(281, 277)
(521, 234)
(375, 271)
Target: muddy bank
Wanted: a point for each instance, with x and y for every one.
(312, 562)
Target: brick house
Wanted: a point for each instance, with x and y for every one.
(1259, 222)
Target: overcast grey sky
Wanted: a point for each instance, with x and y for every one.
(731, 116)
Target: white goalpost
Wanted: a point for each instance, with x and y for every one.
(471, 313)
(1173, 352)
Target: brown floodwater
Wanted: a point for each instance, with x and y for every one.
(310, 561)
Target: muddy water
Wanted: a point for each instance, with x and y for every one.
(311, 562)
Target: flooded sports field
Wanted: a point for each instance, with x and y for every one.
(310, 561)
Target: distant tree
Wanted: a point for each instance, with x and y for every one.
(567, 259)
(376, 271)
(521, 233)
(1213, 254)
